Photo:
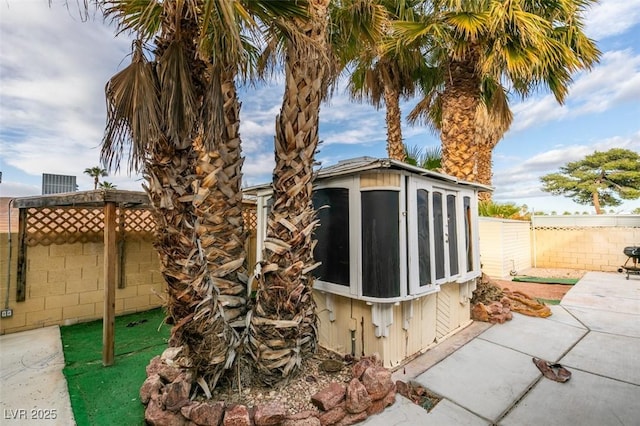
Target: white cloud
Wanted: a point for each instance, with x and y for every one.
(612, 17)
(615, 81)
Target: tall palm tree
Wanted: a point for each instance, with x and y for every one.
(179, 115)
(96, 173)
(475, 48)
(388, 75)
(283, 327)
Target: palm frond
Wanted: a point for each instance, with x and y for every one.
(133, 112)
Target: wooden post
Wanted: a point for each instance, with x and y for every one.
(21, 277)
(110, 259)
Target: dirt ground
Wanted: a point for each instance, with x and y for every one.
(542, 291)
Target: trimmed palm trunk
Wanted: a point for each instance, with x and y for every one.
(218, 205)
(488, 134)
(190, 190)
(458, 128)
(395, 147)
(283, 326)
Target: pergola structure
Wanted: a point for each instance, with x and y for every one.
(107, 200)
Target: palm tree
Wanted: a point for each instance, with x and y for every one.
(429, 158)
(474, 47)
(107, 185)
(96, 173)
(387, 75)
(283, 327)
(179, 116)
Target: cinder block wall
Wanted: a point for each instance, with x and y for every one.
(594, 249)
(64, 283)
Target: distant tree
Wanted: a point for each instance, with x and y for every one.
(107, 185)
(636, 210)
(429, 158)
(96, 173)
(554, 213)
(601, 179)
(566, 213)
(488, 208)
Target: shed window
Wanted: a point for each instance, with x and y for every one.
(452, 234)
(438, 230)
(466, 202)
(424, 252)
(332, 249)
(380, 244)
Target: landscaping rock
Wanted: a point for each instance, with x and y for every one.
(333, 416)
(154, 365)
(390, 398)
(154, 415)
(204, 413)
(359, 367)
(176, 395)
(168, 373)
(329, 397)
(269, 414)
(351, 419)
(236, 415)
(377, 381)
(302, 415)
(309, 421)
(357, 398)
(150, 387)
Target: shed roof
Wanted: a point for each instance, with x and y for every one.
(362, 164)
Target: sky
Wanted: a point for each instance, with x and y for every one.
(54, 66)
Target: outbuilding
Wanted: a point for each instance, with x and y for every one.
(399, 252)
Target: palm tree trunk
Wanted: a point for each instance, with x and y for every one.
(283, 326)
(395, 147)
(218, 206)
(458, 129)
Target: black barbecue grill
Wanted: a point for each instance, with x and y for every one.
(632, 265)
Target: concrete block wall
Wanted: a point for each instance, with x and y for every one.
(64, 283)
(593, 249)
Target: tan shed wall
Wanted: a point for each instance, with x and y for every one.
(593, 249)
(435, 317)
(505, 245)
(64, 283)
(371, 180)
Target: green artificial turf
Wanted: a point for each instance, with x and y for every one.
(549, 301)
(540, 280)
(109, 395)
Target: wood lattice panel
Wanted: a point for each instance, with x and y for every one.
(46, 226)
(250, 218)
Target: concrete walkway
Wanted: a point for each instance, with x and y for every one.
(33, 390)
(484, 373)
(491, 379)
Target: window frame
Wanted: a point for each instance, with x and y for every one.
(352, 185)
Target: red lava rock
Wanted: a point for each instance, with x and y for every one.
(329, 397)
(302, 415)
(377, 382)
(269, 414)
(176, 395)
(168, 373)
(359, 367)
(390, 398)
(151, 386)
(309, 421)
(237, 415)
(204, 413)
(376, 407)
(351, 419)
(333, 416)
(154, 415)
(154, 365)
(358, 399)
